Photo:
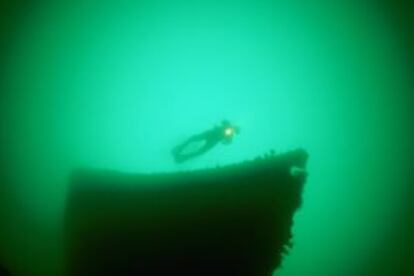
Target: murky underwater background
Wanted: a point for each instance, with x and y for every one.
(117, 84)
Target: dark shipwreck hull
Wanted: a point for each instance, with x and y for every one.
(232, 220)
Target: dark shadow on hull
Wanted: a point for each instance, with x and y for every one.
(233, 220)
(3, 271)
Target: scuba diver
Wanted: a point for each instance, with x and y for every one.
(208, 139)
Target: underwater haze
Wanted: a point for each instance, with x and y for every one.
(117, 84)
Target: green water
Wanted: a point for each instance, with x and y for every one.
(117, 84)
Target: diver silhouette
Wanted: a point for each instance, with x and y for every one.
(223, 133)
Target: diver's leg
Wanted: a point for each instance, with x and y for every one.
(179, 148)
(184, 157)
(177, 151)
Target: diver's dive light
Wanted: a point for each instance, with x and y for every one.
(229, 131)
